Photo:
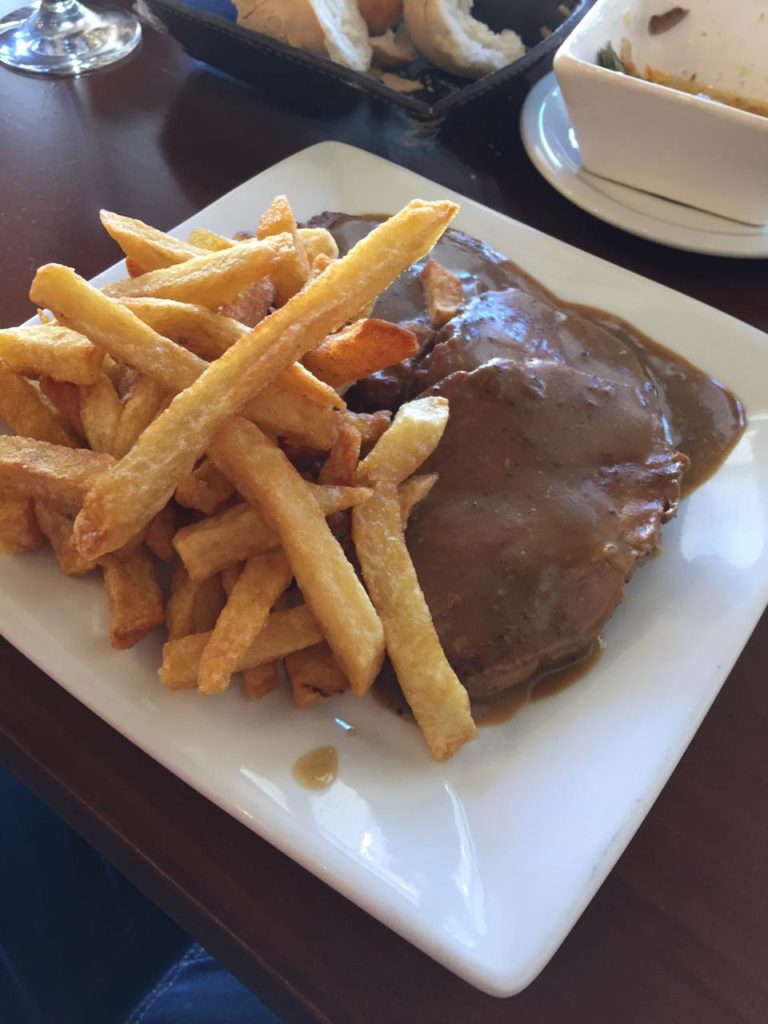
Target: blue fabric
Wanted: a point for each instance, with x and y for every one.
(197, 991)
(80, 945)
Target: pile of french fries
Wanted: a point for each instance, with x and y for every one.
(192, 414)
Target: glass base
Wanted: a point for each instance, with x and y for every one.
(61, 37)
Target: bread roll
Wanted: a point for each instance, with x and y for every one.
(380, 14)
(392, 50)
(445, 32)
(331, 29)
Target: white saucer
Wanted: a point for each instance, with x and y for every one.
(551, 144)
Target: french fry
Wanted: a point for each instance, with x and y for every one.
(58, 529)
(229, 576)
(209, 240)
(57, 475)
(261, 680)
(359, 350)
(415, 433)
(146, 246)
(341, 465)
(19, 529)
(443, 292)
(285, 631)
(208, 335)
(319, 264)
(213, 278)
(314, 676)
(306, 424)
(242, 531)
(262, 580)
(265, 477)
(65, 398)
(132, 268)
(414, 490)
(370, 424)
(276, 220)
(134, 597)
(110, 324)
(100, 412)
(51, 351)
(129, 495)
(438, 700)
(193, 605)
(25, 409)
(252, 304)
(197, 328)
(160, 534)
(139, 409)
(316, 242)
(204, 489)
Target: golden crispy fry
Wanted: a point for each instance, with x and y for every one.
(25, 409)
(284, 632)
(213, 278)
(262, 580)
(134, 597)
(58, 529)
(110, 324)
(230, 575)
(100, 412)
(193, 605)
(146, 246)
(298, 380)
(242, 531)
(261, 680)
(209, 240)
(370, 424)
(138, 487)
(314, 676)
(306, 424)
(318, 242)
(443, 292)
(139, 409)
(276, 220)
(415, 433)
(51, 351)
(198, 329)
(414, 490)
(209, 334)
(319, 264)
(265, 477)
(252, 304)
(57, 475)
(204, 489)
(359, 350)
(438, 700)
(19, 529)
(65, 398)
(132, 268)
(160, 534)
(341, 465)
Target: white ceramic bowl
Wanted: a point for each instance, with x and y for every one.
(663, 140)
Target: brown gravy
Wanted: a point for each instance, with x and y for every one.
(694, 414)
(317, 769)
(702, 418)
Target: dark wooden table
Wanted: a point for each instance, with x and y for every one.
(679, 932)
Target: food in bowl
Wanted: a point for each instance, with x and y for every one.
(687, 127)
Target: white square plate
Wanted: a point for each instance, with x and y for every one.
(484, 863)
